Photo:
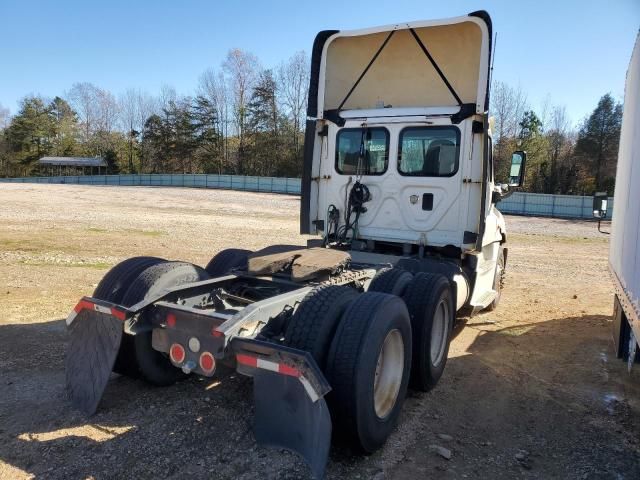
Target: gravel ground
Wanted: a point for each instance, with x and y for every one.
(531, 390)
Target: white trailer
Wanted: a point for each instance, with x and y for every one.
(624, 254)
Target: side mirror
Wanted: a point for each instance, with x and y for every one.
(516, 174)
(600, 200)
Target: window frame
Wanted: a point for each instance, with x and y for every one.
(359, 129)
(430, 127)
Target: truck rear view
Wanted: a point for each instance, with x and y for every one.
(398, 185)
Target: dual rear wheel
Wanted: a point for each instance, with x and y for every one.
(128, 283)
(372, 346)
(138, 278)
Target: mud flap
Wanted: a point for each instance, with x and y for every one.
(286, 417)
(92, 351)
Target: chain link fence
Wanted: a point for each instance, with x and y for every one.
(519, 203)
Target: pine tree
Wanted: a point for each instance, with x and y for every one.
(598, 140)
(207, 133)
(532, 140)
(65, 125)
(263, 125)
(31, 133)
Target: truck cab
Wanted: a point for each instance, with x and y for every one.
(401, 112)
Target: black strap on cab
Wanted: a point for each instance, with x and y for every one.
(466, 109)
(384, 44)
(334, 114)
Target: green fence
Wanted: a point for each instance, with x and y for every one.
(520, 203)
(230, 182)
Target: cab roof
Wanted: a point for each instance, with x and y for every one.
(422, 64)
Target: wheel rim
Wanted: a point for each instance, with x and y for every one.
(439, 332)
(388, 375)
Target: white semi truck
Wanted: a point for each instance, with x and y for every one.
(398, 186)
(624, 254)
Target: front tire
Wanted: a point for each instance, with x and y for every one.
(368, 392)
(429, 299)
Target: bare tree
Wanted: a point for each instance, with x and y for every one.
(5, 115)
(147, 106)
(168, 95)
(128, 107)
(129, 104)
(559, 146)
(293, 80)
(107, 111)
(82, 97)
(508, 105)
(241, 68)
(213, 87)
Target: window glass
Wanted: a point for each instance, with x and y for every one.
(429, 151)
(375, 142)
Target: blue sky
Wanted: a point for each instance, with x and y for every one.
(574, 51)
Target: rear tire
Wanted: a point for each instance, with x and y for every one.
(155, 367)
(315, 321)
(368, 392)
(429, 299)
(391, 280)
(112, 288)
(226, 260)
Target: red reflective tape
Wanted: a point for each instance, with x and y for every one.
(217, 333)
(247, 360)
(171, 320)
(83, 304)
(87, 305)
(287, 370)
(119, 314)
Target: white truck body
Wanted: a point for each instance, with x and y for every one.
(624, 255)
(415, 85)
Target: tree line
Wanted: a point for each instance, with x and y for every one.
(560, 158)
(246, 119)
(242, 119)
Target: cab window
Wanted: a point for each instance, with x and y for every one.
(362, 151)
(429, 151)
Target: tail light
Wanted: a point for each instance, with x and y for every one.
(177, 353)
(207, 363)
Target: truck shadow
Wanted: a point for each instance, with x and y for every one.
(553, 380)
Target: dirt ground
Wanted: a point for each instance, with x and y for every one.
(532, 390)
